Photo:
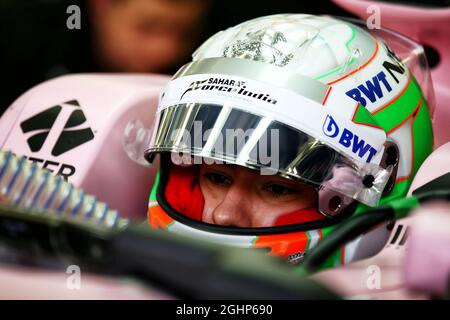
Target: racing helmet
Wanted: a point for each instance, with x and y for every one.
(316, 100)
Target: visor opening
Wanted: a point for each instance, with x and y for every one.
(391, 156)
(335, 204)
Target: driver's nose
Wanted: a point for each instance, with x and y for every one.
(234, 209)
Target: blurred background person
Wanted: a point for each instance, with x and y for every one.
(145, 35)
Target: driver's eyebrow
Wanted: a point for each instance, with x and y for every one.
(220, 169)
(285, 182)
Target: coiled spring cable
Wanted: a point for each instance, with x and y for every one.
(24, 184)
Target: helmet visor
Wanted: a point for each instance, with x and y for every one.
(212, 133)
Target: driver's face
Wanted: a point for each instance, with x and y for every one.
(237, 196)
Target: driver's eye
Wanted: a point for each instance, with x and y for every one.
(218, 179)
(279, 190)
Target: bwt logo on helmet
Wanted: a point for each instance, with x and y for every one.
(373, 90)
(348, 139)
(227, 85)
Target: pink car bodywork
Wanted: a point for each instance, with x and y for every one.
(30, 283)
(379, 277)
(416, 269)
(101, 166)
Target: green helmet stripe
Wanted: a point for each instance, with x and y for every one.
(308, 236)
(423, 135)
(399, 110)
(154, 188)
(335, 259)
(363, 116)
(402, 207)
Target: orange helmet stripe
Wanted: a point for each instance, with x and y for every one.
(283, 244)
(157, 218)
